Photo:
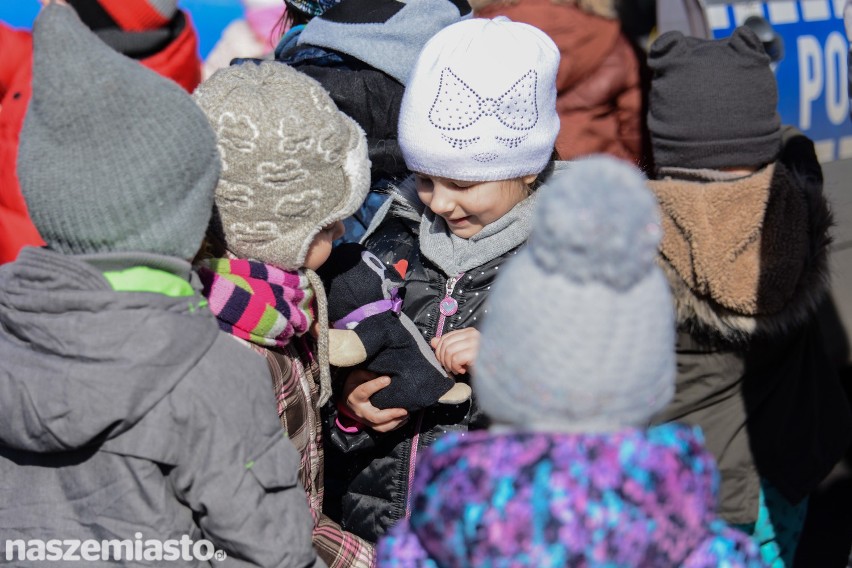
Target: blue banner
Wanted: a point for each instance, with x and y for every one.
(812, 76)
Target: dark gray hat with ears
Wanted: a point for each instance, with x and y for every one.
(713, 103)
(113, 157)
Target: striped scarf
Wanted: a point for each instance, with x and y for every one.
(258, 302)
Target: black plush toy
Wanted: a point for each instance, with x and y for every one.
(369, 329)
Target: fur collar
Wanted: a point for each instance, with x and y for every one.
(745, 257)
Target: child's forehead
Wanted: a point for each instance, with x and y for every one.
(448, 179)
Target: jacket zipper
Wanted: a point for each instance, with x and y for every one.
(447, 306)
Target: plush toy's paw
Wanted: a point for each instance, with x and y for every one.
(458, 394)
(345, 348)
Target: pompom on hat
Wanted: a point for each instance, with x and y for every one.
(292, 162)
(712, 103)
(112, 157)
(580, 331)
(480, 104)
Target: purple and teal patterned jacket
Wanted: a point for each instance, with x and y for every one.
(633, 498)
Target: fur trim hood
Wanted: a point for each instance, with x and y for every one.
(747, 256)
(602, 8)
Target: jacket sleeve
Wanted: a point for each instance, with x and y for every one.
(237, 470)
(16, 47)
(629, 103)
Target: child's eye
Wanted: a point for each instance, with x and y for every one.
(423, 180)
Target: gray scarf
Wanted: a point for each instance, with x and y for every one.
(454, 254)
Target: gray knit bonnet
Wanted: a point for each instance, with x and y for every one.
(580, 333)
(292, 162)
(112, 156)
(713, 103)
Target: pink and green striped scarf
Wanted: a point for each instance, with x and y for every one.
(258, 302)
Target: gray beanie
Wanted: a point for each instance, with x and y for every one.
(292, 162)
(112, 156)
(712, 102)
(580, 333)
(386, 34)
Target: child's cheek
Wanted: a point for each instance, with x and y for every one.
(425, 196)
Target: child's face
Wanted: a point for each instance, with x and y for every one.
(320, 248)
(468, 206)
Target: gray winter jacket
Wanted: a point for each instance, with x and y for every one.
(128, 412)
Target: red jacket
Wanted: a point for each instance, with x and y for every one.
(179, 61)
(599, 88)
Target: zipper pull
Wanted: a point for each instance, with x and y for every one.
(449, 305)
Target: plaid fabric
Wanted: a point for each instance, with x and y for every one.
(295, 380)
(257, 302)
(339, 549)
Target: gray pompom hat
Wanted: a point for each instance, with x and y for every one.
(292, 162)
(112, 157)
(580, 331)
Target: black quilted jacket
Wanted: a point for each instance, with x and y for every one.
(368, 474)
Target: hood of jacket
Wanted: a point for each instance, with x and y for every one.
(630, 498)
(586, 32)
(602, 8)
(746, 256)
(81, 363)
(388, 36)
(178, 60)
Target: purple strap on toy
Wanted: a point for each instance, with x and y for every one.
(393, 304)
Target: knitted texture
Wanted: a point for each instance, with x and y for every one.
(580, 333)
(256, 301)
(292, 163)
(480, 104)
(137, 15)
(112, 156)
(387, 35)
(712, 102)
(631, 498)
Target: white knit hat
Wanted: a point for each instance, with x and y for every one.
(580, 330)
(480, 104)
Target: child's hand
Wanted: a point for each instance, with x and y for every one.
(457, 350)
(359, 386)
